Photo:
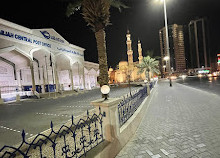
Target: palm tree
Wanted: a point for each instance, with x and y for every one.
(148, 65)
(96, 14)
(151, 54)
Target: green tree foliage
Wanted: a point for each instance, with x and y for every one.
(148, 65)
(151, 54)
(96, 13)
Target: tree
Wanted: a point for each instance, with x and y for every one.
(148, 65)
(96, 13)
(151, 54)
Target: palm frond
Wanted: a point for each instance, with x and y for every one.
(96, 13)
(73, 7)
(151, 54)
(148, 64)
(118, 4)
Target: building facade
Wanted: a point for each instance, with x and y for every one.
(176, 47)
(41, 60)
(198, 38)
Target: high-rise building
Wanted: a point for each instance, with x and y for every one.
(198, 38)
(176, 47)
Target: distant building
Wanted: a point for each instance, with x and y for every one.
(176, 46)
(127, 70)
(198, 39)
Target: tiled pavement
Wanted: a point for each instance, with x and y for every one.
(180, 122)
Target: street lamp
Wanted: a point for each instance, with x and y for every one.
(167, 37)
(166, 58)
(164, 66)
(105, 91)
(167, 40)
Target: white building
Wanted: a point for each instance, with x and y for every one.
(41, 60)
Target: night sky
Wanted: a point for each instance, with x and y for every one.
(144, 18)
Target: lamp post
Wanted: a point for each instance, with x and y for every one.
(164, 67)
(166, 31)
(167, 39)
(167, 36)
(105, 91)
(166, 58)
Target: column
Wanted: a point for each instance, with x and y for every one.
(1, 100)
(83, 78)
(56, 79)
(19, 79)
(32, 76)
(110, 121)
(71, 77)
(43, 76)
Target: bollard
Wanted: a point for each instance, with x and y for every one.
(1, 100)
(17, 97)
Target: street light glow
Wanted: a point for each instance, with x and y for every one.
(166, 58)
(159, 1)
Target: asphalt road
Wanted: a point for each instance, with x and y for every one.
(34, 116)
(210, 84)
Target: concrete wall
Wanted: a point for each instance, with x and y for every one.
(116, 137)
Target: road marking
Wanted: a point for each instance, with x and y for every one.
(49, 114)
(80, 106)
(164, 151)
(14, 130)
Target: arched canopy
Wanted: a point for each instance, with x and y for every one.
(16, 56)
(42, 56)
(63, 62)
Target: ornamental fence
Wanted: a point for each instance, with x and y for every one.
(72, 141)
(130, 104)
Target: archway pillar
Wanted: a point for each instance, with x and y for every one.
(71, 78)
(32, 76)
(43, 77)
(1, 100)
(56, 79)
(83, 74)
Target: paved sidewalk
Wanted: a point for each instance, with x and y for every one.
(180, 122)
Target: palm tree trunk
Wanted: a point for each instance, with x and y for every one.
(101, 47)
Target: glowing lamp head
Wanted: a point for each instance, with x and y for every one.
(105, 91)
(166, 58)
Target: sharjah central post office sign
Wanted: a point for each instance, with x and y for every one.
(45, 38)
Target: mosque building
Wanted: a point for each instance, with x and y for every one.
(127, 69)
(39, 61)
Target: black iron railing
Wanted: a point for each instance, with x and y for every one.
(72, 141)
(129, 105)
(152, 84)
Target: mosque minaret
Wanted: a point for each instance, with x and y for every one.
(129, 50)
(140, 58)
(128, 70)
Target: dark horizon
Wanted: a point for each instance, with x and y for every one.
(143, 19)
